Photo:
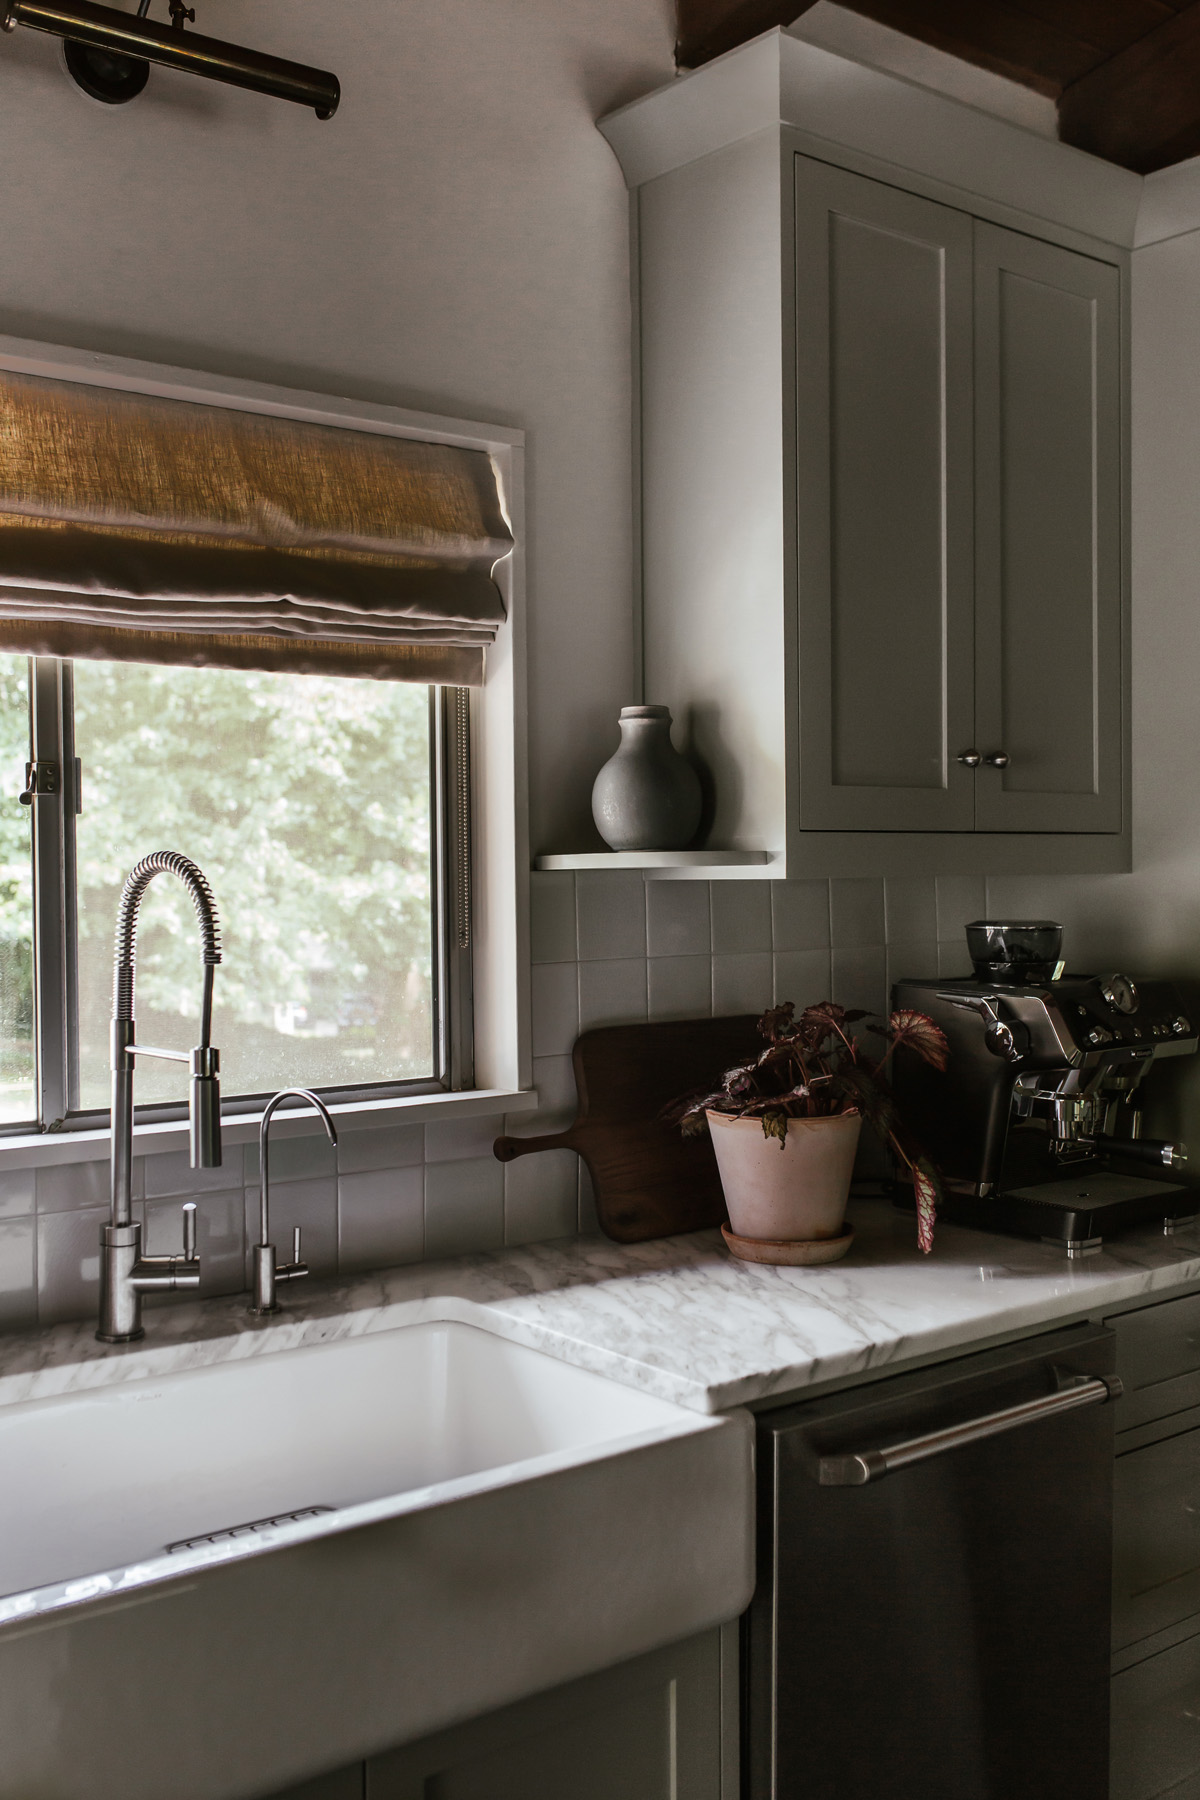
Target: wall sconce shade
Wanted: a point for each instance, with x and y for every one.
(129, 35)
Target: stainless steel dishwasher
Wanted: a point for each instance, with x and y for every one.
(932, 1616)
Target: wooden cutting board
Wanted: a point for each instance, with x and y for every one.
(650, 1181)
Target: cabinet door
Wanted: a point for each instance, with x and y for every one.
(1155, 1740)
(1156, 1542)
(1047, 535)
(648, 1730)
(884, 525)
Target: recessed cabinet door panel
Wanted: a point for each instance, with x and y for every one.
(1047, 536)
(884, 559)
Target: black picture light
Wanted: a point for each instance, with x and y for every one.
(108, 53)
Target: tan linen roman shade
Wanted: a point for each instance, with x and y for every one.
(141, 529)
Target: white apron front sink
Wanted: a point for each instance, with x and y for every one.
(477, 1521)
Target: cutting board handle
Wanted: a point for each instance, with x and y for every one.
(505, 1148)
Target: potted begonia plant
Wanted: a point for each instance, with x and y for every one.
(785, 1125)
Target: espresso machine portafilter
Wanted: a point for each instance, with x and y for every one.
(1035, 1124)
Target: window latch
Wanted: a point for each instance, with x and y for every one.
(40, 778)
(46, 778)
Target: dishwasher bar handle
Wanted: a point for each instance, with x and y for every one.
(871, 1465)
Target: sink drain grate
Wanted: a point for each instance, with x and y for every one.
(248, 1530)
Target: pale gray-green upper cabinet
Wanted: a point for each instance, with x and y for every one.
(884, 566)
(958, 544)
(1047, 535)
(882, 472)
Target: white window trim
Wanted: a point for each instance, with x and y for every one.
(499, 797)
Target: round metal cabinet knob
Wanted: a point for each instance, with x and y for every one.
(972, 758)
(997, 759)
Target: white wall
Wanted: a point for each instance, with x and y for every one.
(455, 239)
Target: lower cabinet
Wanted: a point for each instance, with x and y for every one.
(1156, 1726)
(1156, 1555)
(663, 1727)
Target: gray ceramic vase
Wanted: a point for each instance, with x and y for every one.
(647, 796)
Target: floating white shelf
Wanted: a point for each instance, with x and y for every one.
(699, 862)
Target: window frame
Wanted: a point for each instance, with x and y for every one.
(502, 1076)
(55, 916)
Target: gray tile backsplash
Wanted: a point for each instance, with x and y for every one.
(464, 1206)
(607, 949)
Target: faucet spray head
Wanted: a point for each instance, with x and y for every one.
(204, 1108)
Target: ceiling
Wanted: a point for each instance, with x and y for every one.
(1124, 73)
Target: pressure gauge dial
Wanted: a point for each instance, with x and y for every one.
(1119, 991)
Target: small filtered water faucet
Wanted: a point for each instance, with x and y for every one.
(125, 1274)
(267, 1271)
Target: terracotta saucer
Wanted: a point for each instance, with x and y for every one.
(792, 1252)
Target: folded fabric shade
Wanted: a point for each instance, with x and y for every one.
(150, 530)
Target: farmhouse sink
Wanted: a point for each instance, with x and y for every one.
(267, 1566)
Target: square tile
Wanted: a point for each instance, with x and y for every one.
(558, 1101)
(611, 914)
(960, 898)
(464, 1207)
(18, 1287)
(741, 917)
(313, 1205)
(460, 1138)
(954, 959)
(801, 914)
(911, 909)
(860, 979)
(678, 919)
(587, 1201)
(680, 987)
(856, 912)
(300, 1158)
(803, 977)
(612, 993)
(555, 1008)
(916, 960)
(381, 1218)
(552, 935)
(68, 1264)
(388, 1147)
(17, 1188)
(220, 1236)
(741, 984)
(541, 1197)
(69, 1187)
(172, 1173)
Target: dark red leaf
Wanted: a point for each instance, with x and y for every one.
(917, 1032)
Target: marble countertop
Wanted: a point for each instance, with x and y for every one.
(678, 1318)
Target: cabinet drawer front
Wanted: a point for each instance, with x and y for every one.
(1047, 535)
(883, 456)
(1156, 1727)
(1158, 1360)
(1156, 1538)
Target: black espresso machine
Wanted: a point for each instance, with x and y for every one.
(1035, 1125)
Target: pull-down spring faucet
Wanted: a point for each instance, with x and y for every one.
(125, 1274)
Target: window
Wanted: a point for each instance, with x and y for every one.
(329, 816)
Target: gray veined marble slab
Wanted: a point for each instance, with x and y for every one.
(677, 1318)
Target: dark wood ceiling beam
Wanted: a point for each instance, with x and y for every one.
(1042, 43)
(1039, 52)
(1125, 73)
(708, 28)
(1141, 108)
(1107, 25)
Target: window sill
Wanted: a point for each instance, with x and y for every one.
(47, 1148)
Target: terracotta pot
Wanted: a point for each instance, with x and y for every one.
(797, 1189)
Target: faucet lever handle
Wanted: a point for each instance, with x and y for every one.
(295, 1243)
(189, 1231)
